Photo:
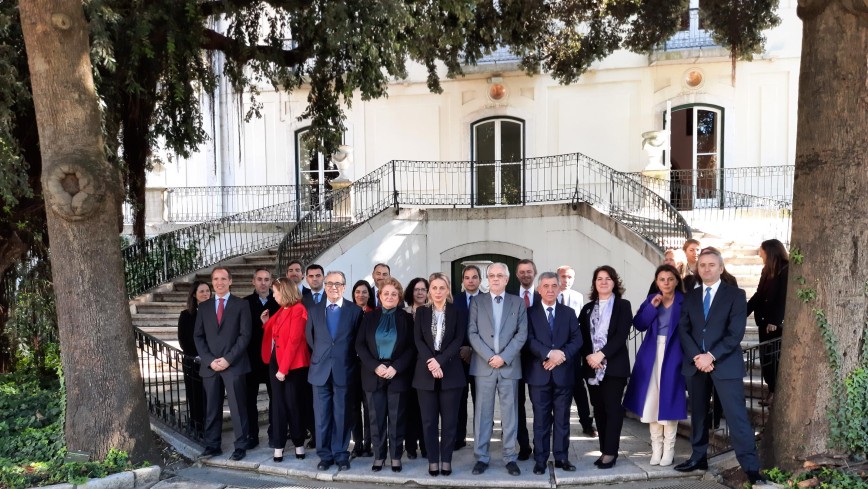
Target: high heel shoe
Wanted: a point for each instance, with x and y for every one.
(299, 453)
(433, 470)
(446, 470)
(599, 460)
(397, 468)
(278, 455)
(377, 468)
(609, 464)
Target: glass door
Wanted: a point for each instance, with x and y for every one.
(315, 173)
(695, 156)
(498, 159)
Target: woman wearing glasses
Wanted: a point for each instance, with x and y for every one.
(385, 347)
(605, 324)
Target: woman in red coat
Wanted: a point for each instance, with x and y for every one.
(284, 349)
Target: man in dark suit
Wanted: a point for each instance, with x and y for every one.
(295, 274)
(471, 277)
(712, 325)
(497, 330)
(526, 272)
(381, 272)
(258, 301)
(553, 340)
(331, 334)
(576, 301)
(315, 276)
(222, 333)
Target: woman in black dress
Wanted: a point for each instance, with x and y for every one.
(199, 293)
(439, 378)
(384, 344)
(605, 324)
(768, 305)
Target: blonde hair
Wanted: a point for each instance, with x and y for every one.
(394, 283)
(440, 276)
(289, 294)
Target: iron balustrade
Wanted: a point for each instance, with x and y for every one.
(691, 35)
(170, 386)
(759, 199)
(571, 178)
(165, 257)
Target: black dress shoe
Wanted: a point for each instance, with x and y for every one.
(539, 468)
(524, 454)
(344, 465)
(590, 432)
(565, 464)
(211, 452)
(398, 467)
(690, 465)
(238, 454)
(513, 469)
(278, 459)
(411, 454)
(479, 468)
(755, 478)
(323, 465)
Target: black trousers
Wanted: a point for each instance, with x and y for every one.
(257, 375)
(286, 410)
(361, 416)
(439, 410)
(235, 387)
(551, 412)
(522, 435)
(195, 393)
(770, 356)
(580, 395)
(387, 411)
(469, 388)
(413, 426)
(609, 411)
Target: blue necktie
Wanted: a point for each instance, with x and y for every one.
(332, 320)
(316, 297)
(551, 321)
(498, 299)
(706, 303)
(469, 298)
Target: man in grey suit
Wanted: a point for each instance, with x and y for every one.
(222, 333)
(567, 296)
(497, 331)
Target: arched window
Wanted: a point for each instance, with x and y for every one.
(498, 159)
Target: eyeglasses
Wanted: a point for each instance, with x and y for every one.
(334, 284)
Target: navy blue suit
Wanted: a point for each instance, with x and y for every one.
(551, 390)
(720, 334)
(463, 309)
(333, 363)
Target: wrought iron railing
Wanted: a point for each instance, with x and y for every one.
(165, 257)
(692, 33)
(172, 389)
(571, 178)
(755, 201)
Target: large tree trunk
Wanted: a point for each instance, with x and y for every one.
(105, 401)
(830, 227)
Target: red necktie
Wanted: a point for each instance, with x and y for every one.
(220, 311)
(526, 298)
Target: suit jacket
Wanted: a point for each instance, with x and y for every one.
(305, 290)
(228, 340)
(454, 335)
(615, 350)
(403, 355)
(307, 299)
(573, 299)
(186, 329)
(722, 331)
(541, 340)
(287, 329)
(254, 348)
(517, 292)
(335, 357)
(513, 334)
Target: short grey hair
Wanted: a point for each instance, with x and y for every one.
(546, 275)
(501, 265)
(713, 252)
(337, 272)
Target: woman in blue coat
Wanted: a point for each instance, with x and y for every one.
(656, 392)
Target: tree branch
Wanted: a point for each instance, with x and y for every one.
(242, 53)
(217, 7)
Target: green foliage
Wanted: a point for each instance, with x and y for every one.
(31, 418)
(154, 261)
(796, 256)
(777, 475)
(806, 294)
(854, 413)
(827, 477)
(738, 25)
(32, 326)
(13, 92)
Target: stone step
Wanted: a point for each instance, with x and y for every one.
(174, 307)
(155, 320)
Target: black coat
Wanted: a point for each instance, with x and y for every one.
(769, 302)
(254, 348)
(615, 350)
(186, 328)
(448, 358)
(403, 355)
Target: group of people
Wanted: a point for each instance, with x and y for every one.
(391, 367)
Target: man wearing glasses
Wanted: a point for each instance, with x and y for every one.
(497, 330)
(331, 335)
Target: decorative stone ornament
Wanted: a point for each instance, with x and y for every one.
(343, 159)
(694, 79)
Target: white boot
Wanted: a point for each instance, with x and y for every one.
(656, 442)
(670, 432)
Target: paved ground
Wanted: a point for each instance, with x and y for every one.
(631, 471)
